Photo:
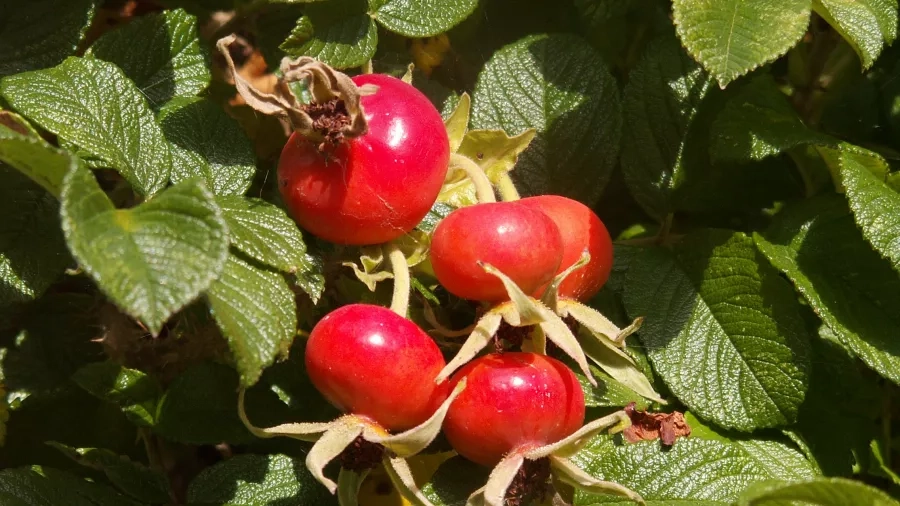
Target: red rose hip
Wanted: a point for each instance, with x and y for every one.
(580, 228)
(512, 401)
(369, 361)
(378, 186)
(521, 242)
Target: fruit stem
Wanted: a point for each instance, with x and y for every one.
(400, 269)
(367, 67)
(508, 191)
(484, 191)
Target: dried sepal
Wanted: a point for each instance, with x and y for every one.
(525, 310)
(551, 293)
(612, 423)
(600, 326)
(408, 443)
(348, 485)
(323, 82)
(401, 476)
(564, 470)
(501, 478)
(479, 338)
(610, 360)
(301, 431)
(329, 446)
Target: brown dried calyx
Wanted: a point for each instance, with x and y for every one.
(667, 427)
(530, 483)
(335, 112)
(361, 455)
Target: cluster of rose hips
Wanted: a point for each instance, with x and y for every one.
(364, 166)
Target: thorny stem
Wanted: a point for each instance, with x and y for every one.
(508, 191)
(484, 191)
(400, 269)
(665, 229)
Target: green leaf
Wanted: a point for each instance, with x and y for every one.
(37, 35)
(258, 480)
(608, 392)
(93, 105)
(866, 24)
(854, 291)
(256, 312)
(421, 18)
(32, 250)
(134, 479)
(200, 407)
(559, 86)
(207, 142)
(48, 487)
(818, 492)
(153, 259)
(875, 205)
(161, 53)
(265, 233)
(732, 37)
(722, 329)
(340, 33)
(759, 122)
(134, 391)
(33, 157)
(693, 470)
(662, 100)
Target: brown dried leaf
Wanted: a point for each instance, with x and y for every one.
(646, 426)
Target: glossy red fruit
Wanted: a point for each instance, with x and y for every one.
(369, 361)
(580, 229)
(521, 242)
(376, 187)
(512, 401)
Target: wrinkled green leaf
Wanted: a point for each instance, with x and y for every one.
(732, 37)
(133, 478)
(153, 259)
(32, 250)
(48, 487)
(340, 33)
(207, 142)
(722, 329)
(421, 18)
(694, 469)
(866, 24)
(819, 492)
(161, 53)
(759, 122)
(662, 99)
(132, 390)
(264, 232)
(258, 480)
(256, 312)
(854, 291)
(558, 85)
(37, 35)
(33, 157)
(200, 407)
(875, 206)
(92, 104)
